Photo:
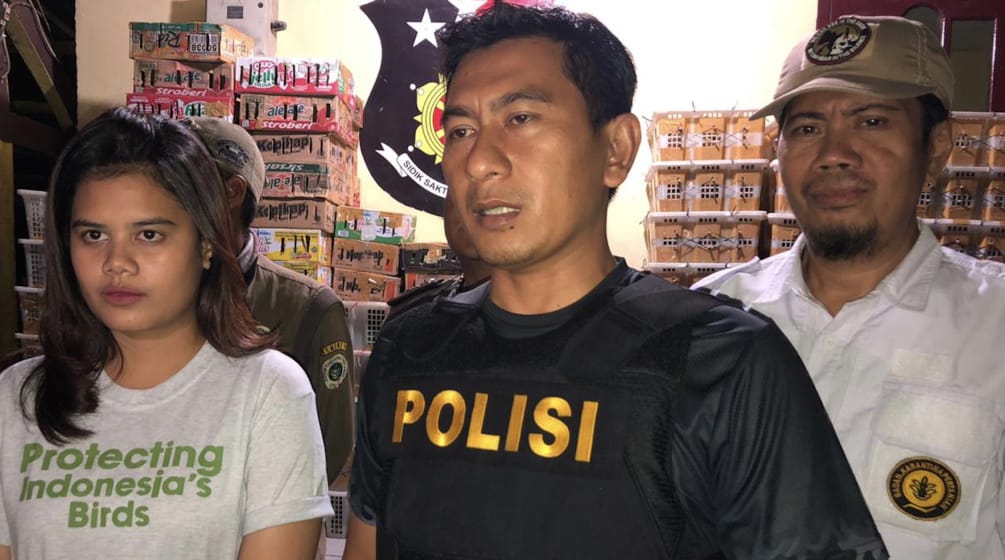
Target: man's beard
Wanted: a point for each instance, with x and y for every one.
(843, 243)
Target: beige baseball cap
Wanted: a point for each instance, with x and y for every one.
(882, 56)
(233, 149)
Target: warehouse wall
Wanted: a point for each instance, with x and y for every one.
(712, 54)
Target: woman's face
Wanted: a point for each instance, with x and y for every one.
(137, 256)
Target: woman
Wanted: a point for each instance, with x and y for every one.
(157, 423)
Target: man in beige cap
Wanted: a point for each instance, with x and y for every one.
(899, 334)
(308, 317)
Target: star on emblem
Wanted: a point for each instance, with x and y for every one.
(425, 30)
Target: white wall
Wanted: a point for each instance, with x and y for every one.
(707, 54)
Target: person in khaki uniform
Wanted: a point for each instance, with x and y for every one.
(307, 316)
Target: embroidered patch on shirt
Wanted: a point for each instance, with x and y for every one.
(923, 488)
(335, 369)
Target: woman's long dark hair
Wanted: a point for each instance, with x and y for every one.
(75, 344)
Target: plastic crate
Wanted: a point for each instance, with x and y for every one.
(337, 525)
(28, 341)
(365, 319)
(34, 256)
(34, 210)
(29, 300)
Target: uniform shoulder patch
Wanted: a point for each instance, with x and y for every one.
(841, 40)
(336, 369)
(923, 488)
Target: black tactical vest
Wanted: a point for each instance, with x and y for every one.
(551, 447)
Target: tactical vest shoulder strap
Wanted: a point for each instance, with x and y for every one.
(641, 310)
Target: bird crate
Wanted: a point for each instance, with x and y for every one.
(960, 193)
(34, 212)
(666, 185)
(706, 191)
(30, 303)
(784, 232)
(744, 185)
(745, 138)
(968, 132)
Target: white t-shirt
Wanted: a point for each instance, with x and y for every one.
(225, 447)
(913, 378)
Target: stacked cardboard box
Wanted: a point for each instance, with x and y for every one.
(707, 188)
(367, 253)
(965, 203)
(426, 262)
(304, 116)
(185, 69)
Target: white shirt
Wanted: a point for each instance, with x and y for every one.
(915, 369)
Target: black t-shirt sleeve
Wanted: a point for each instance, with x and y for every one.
(777, 484)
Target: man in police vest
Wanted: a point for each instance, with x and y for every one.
(901, 336)
(307, 316)
(573, 407)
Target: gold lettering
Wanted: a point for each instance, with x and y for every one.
(476, 438)
(337, 346)
(587, 425)
(408, 410)
(516, 414)
(551, 425)
(455, 401)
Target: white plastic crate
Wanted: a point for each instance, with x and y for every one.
(29, 301)
(337, 525)
(27, 341)
(365, 319)
(34, 210)
(34, 256)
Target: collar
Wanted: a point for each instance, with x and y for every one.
(908, 285)
(246, 258)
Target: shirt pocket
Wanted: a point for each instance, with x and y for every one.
(931, 461)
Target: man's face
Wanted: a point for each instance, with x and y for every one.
(524, 166)
(853, 167)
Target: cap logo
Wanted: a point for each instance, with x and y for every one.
(232, 153)
(923, 488)
(841, 40)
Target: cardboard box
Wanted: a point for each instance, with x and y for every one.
(745, 137)
(666, 186)
(278, 113)
(992, 246)
(959, 195)
(357, 285)
(745, 181)
(415, 278)
(293, 244)
(429, 257)
(784, 231)
(707, 137)
(930, 197)
(995, 143)
(366, 256)
(694, 237)
(181, 106)
(740, 236)
(300, 180)
(959, 234)
(311, 269)
(706, 191)
(968, 133)
(374, 225)
(320, 149)
(286, 213)
(994, 196)
(188, 41)
(296, 76)
(161, 77)
(668, 134)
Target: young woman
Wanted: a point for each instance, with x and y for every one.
(156, 424)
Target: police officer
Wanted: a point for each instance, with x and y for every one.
(573, 407)
(900, 335)
(308, 317)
